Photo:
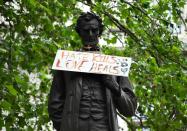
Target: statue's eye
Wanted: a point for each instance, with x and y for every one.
(95, 30)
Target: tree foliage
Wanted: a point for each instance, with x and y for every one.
(31, 31)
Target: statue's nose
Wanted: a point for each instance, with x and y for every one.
(90, 32)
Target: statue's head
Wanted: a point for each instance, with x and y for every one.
(89, 27)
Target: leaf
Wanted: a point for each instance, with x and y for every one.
(5, 105)
(11, 90)
(33, 30)
(3, 50)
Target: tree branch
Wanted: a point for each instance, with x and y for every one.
(138, 8)
(141, 123)
(130, 125)
(116, 37)
(183, 21)
(121, 27)
(146, 14)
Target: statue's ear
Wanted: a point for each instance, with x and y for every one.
(101, 29)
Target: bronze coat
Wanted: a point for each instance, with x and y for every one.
(64, 100)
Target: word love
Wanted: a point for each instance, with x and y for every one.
(91, 63)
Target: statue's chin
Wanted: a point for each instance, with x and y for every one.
(90, 43)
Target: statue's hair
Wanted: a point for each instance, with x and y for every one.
(87, 17)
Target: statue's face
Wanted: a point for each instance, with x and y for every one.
(89, 32)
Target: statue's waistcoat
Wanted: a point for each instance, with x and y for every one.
(93, 98)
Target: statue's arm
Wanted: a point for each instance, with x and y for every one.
(126, 102)
(56, 99)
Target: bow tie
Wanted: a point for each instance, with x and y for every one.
(91, 48)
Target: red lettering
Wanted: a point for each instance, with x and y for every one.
(95, 57)
(85, 57)
(58, 63)
(62, 54)
(112, 59)
(105, 59)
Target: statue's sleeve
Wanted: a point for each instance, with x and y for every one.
(56, 99)
(126, 103)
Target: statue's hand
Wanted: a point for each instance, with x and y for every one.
(111, 83)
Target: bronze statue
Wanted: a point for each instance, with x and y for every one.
(85, 101)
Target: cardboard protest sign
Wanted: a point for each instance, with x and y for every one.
(91, 63)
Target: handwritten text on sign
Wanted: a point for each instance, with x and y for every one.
(91, 63)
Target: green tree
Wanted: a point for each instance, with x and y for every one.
(31, 31)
